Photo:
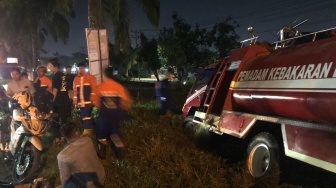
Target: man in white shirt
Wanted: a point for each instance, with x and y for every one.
(18, 84)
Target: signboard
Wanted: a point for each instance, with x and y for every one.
(97, 44)
(104, 52)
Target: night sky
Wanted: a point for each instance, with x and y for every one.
(266, 16)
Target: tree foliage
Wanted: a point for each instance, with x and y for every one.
(148, 53)
(25, 25)
(116, 12)
(225, 37)
(187, 46)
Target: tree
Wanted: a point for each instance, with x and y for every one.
(149, 54)
(186, 46)
(122, 61)
(27, 23)
(117, 11)
(225, 37)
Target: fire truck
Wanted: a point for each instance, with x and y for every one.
(279, 98)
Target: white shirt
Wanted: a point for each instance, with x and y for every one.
(21, 85)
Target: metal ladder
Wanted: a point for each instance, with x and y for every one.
(212, 92)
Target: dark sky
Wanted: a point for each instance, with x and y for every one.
(266, 16)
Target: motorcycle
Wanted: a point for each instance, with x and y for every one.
(28, 125)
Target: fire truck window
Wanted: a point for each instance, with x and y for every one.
(202, 79)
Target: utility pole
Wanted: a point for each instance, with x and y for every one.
(136, 35)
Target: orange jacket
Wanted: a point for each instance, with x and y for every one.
(45, 83)
(85, 89)
(111, 88)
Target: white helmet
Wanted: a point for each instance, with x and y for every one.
(22, 99)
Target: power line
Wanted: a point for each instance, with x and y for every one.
(273, 12)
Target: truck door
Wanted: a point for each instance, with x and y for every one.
(197, 91)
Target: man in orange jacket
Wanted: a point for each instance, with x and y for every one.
(112, 99)
(85, 88)
(43, 97)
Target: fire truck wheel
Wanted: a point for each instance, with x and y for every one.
(189, 127)
(263, 156)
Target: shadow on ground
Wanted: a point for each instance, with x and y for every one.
(5, 169)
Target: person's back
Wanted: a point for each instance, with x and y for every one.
(78, 161)
(81, 157)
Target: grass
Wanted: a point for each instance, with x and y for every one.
(157, 153)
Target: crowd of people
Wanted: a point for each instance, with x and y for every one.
(67, 91)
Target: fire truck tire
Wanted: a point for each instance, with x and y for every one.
(189, 127)
(263, 156)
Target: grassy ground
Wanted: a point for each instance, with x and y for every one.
(158, 154)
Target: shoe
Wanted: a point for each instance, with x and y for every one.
(101, 150)
(117, 141)
(50, 183)
(57, 140)
(120, 162)
(8, 157)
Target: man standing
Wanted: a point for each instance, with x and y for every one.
(18, 84)
(69, 79)
(62, 105)
(162, 94)
(85, 89)
(112, 99)
(78, 162)
(43, 98)
(42, 81)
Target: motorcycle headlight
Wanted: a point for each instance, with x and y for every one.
(13, 104)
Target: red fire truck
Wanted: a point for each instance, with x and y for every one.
(279, 97)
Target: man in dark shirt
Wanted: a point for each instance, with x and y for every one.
(69, 79)
(62, 105)
(162, 94)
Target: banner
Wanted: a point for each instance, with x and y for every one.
(98, 53)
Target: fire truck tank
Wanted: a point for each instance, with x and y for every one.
(297, 82)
